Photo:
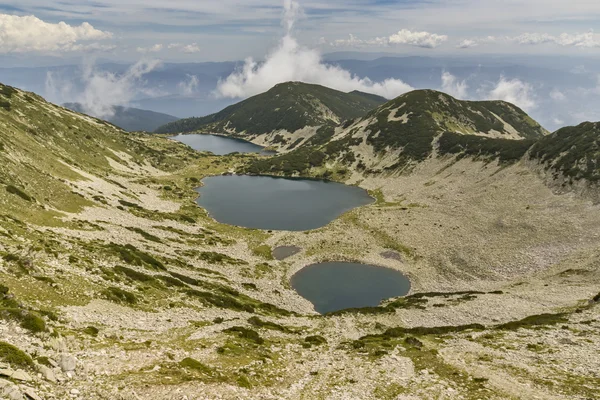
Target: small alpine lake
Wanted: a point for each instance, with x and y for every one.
(334, 286)
(270, 203)
(220, 145)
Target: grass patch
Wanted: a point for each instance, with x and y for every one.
(119, 295)
(535, 321)
(315, 340)
(246, 334)
(15, 356)
(133, 256)
(263, 251)
(18, 192)
(145, 235)
(195, 365)
(92, 331)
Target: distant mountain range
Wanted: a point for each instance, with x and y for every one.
(131, 119)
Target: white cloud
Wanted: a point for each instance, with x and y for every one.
(185, 48)
(290, 61)
(189, 86)
(419, 39)
(102, 90)
(583, 40)
(152, 49)
(291, 13)
(557, 95)
(454, 87)
(467, 44)
(474, 42)
(31, 34)
(514, 91)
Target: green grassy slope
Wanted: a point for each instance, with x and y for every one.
(290, 106)
(43, 146)
(414, 126)
(573, 151)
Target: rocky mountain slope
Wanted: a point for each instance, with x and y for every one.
(409, 129)
(132, 119)
(115, 285)
(280, 112)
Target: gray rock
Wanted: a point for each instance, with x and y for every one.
(21, 375)
(10, 391)
(30, 394)
(47, 373)
(6, 372)
(67, 363)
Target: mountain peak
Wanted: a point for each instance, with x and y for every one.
(288, 106)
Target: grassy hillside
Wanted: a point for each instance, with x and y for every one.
(43, 147)
(288, 106)
(114, 284)
(573, 151)
(132, 119)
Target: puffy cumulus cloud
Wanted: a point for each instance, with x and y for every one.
(189, 86)
(404, 37)
(102, 90)
(152, 49)
(514, 91)
(185, 48)
(467, 44)
(418, 39)
(31, 34)
(453, 86)
(292, 62)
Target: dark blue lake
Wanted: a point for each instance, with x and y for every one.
(270, 203)
(220, 145)
(335, 286)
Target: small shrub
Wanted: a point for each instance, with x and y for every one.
(91, 330)
(244, 382)
(534, 321)
(16, 191)
(119, 295)
(14, 356)
(245, 333)
(316, 340)
(170, 281)
(145, 235)
(33, 322)
(195, 365)
(257, 322)
(129, 204)
(135, 275)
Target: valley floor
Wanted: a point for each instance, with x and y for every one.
(503, 271)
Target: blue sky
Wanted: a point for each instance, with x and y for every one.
(191, 30)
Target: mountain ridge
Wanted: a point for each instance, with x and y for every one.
(289, 106)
